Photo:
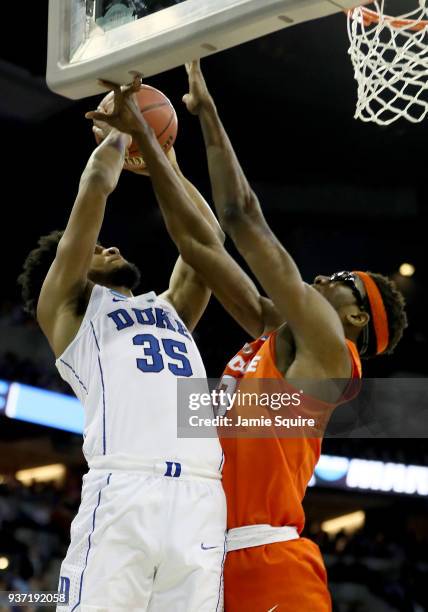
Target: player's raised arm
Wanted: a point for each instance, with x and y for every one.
(194, 234)
(187, 291)
(230, 187)
(67, 280)
(313, 321)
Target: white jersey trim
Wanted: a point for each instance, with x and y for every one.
(156, 467)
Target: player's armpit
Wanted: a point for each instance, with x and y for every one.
(61, 307)
(188, 293)
(271, 316)
(64, 326)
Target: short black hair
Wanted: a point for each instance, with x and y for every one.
(36, 267)
(395, 304)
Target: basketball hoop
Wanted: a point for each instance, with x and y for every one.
(390, 59)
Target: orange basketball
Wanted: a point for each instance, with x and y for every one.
(159, 114)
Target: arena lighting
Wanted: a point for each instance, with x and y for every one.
(389, 477)
(365, 475)
(4, 563)
(407, 269)
(43, 407)
(4, 389)
(347, 523)
(44, 473)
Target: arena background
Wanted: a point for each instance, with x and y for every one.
(339, 194)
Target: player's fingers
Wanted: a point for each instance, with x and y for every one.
(103, 107)
(129, 91)
(132, 89)
(110, 85)
(98, 124)
(99, 135)
(193, 69)
(136, 165)
(97, 116)
(137, 77)
(98, 132)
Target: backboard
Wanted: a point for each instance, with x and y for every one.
(91, 39)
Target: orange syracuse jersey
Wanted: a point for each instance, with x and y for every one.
(265, 479)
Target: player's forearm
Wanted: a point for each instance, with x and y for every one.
(200, 203)
(98, 180)
(181, 217)
(232, 193)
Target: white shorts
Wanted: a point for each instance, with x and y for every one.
(145, 542)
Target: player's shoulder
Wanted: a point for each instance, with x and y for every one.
(165, 300)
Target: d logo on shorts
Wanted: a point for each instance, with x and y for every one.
(64, 588)
(173, 469)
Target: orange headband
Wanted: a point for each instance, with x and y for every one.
(378, 312)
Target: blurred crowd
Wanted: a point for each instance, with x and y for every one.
(34, 533)
(14, 368)
(376, 569)
(20, 341)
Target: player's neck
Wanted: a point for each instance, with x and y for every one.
(352, 333)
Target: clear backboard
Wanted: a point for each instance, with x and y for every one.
(91, 39)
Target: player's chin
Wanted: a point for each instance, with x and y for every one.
(126, 274)
(117, 260)
(123, 264)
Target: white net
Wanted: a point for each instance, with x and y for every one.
(390, 59)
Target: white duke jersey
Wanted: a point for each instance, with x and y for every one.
(123, 365)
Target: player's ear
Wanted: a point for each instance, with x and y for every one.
(358, 318)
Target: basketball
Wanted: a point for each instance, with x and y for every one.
(159, 114)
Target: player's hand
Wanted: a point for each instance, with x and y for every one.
(140, 169)
(120, 109)
(102, 130)
(198, 96)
